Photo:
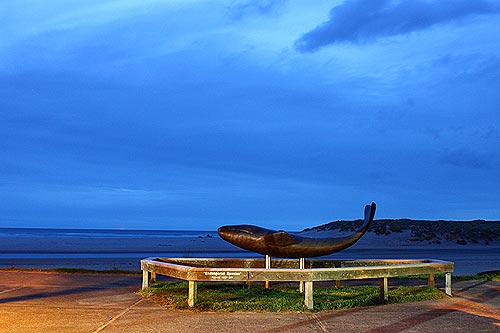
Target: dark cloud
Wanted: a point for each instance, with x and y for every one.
(365, 20)
(241, 8)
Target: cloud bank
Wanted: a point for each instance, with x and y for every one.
(153, 114)
(358, 21)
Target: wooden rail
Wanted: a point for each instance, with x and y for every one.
(304, 271)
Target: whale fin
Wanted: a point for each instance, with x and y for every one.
(280, 238)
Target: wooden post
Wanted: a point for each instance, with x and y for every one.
(268, 266)
(153, 277)
(302, 265)
(192, 293)
(308, 295)
(145, 279)
(337, 282)
(384, 289)
(448, 284)
(430, 281)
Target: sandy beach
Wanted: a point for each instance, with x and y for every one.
(102, 253)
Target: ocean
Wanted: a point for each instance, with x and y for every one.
(100, 233)
(102, 249)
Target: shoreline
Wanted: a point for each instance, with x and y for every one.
(104, 253)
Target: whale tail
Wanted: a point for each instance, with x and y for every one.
(284, 245)
(369, 215)
(368, 219)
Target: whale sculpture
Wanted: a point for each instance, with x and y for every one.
(281, 244)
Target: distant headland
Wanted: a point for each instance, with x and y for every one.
(421, 232)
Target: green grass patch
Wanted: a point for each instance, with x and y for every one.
(491, 275)
(237, 297)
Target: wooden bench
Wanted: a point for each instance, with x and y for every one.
(303, 271)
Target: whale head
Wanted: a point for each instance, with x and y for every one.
(237, 234)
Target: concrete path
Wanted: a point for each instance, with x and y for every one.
(49, 302)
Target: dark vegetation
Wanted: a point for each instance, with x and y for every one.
(433, 232)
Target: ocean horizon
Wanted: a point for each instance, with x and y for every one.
(104, 249)
(100, 233)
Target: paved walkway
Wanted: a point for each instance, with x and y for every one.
(49, 302)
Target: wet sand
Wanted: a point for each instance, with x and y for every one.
(126, 253)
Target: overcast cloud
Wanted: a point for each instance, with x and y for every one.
(193, 114)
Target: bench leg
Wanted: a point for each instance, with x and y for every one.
(384, 289)
(145, 279)
(430, 281)
(192, 293)
(448, 284)
(308, 295)
(268, 266)
(302, 265)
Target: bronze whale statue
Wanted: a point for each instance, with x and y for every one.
(281, 244)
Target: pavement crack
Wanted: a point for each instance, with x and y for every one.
(321, 323)
(117, 316)
(9, 290)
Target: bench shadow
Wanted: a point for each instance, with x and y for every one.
(133, 281)
(463, 302)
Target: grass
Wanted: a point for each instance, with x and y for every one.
(231, 297)
(491, 275)
(238, 297)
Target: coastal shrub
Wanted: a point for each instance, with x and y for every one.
(395, 227)
(425, 231)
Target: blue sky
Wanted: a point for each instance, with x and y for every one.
(191, 114)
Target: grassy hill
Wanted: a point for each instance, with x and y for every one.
(432, 232)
